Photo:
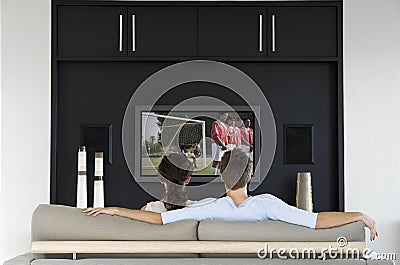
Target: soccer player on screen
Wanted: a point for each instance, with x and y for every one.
(231, 132)
(191, 151)
(234, 137)
(247, 137)
(219, 136)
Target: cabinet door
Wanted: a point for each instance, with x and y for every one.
(231, 31)
(162, 31)
(91, 31)
(302, 31)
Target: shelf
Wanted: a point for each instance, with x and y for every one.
(178, 59)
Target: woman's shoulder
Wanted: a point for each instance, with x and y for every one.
(190, 202)
(159, 207)
(201, 202)
(156, 206)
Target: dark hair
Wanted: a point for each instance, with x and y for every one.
(236, 169)
(174, 169)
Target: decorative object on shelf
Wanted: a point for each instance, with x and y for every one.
(304, 191)
(81, 190)
(98, 200)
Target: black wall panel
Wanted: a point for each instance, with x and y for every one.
(98, 92)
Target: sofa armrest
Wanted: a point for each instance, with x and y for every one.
(24, 259)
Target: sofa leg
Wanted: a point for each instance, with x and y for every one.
(73, 256)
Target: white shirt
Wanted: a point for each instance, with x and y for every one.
(257, 208)
(158, 206)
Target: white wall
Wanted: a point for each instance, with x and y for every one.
(25, 119)
(372, 122)
(372, 115)
(1, 3)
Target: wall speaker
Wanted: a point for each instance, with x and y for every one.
(298, 144)
(97, 138)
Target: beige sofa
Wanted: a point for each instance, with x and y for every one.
(63, 235)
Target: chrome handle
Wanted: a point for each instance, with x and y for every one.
(273, 33)
(133, 34)
(260, 48)
(120, 32)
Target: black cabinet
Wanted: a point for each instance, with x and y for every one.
(231, 31)
(162, 31)
(91, 31)
(121, 31)
(209, 31)
(302, 31)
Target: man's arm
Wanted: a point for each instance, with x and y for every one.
(332, 219)
(279, 210)
(138, 215)
(219, 141)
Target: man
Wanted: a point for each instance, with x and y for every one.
(247, 137)
(237, 138)
(238, 206)
(219, 136)
(231, 132)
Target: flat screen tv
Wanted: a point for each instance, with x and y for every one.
(193, 132)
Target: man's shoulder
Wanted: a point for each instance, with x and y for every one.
(266, 196)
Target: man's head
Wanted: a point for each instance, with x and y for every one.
(236, 169)
(229, 121)
(238, 122)
(247, 123)
(222, 116)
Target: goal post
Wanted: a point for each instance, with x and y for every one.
(178, 131)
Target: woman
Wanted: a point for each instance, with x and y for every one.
(174, 171)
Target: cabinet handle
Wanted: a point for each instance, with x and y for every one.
(120, 32)
(133, 33)
(260, 48)
(273, 33)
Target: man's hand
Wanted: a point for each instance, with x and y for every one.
(332, 219)
(371, 224)
(96, 211)
(138, 215)
(223, 147)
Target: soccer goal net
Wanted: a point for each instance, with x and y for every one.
(177, 134)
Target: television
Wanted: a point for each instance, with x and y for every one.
(192, 131)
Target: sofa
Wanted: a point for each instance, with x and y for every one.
(63, 235)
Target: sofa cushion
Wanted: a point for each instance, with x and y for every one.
(276, 231)
(57, 222)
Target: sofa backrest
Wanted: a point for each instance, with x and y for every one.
(58, 223)
(276, 231)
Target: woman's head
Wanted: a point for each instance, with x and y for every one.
(175, 170)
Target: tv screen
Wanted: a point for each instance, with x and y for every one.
(202, 136)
